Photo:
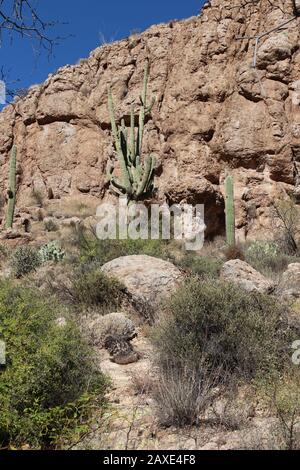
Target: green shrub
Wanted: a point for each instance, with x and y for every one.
(267, 258)
(102, 251)
(50, 384)
(90, 286)
(202, 266)
(50, 225)
(242, 332)
(24, 260)
(51, 252)
(281, 395)
(219, 334)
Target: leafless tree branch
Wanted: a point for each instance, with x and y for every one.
(21, 18)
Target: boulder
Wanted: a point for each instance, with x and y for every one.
(241, 273)
(290, 282)
(148, 280)
(114, 332)
(115, 324)
(121, 351)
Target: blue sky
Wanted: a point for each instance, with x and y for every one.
(90, 22)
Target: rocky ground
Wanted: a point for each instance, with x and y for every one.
(131, 422)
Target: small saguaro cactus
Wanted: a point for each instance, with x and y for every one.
(11, 191)
(136, 176)
(229, 211)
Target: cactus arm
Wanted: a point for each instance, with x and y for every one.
(123, 140)
(117, 184)
(229, 211)
(147, 174)
(149, 108)
(132, 137)
(11, 188)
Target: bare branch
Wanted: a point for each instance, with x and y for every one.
(20, 18)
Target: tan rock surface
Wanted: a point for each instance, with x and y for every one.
(148, 280)
(241, 273)
(213, 111)
(290, 282)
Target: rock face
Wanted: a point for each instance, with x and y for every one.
(290, 283)
(148, 280)
(213, 111)
(241, 273)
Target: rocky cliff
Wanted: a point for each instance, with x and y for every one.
(219, 106)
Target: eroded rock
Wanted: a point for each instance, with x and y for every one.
(290, 282)
(241, 273)
(148, 280)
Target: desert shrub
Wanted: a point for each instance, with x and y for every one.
(51, 252)
(281, 395)
(287, 405)
(243, 332)
(24, 260)
(50, 225)
(231, 411)
(107, 250)
(286, 220)
(50, 384)
(202, 266)
(183, 392)
(143, 384)
(91, 248)
(234, 252)
(233, 334)
(90, 286)
(268, 258)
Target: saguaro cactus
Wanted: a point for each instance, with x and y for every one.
(229, 211)
(11, 188)
(136, 177)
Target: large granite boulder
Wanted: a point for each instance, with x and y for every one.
(241, 273)
(148, 280)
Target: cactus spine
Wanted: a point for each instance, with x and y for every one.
(229, 211)
(136, 177)
(11, 188)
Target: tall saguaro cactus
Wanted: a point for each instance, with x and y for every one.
(229, 211)
(11, 188)
(136, 176)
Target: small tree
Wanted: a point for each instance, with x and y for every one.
(286, 214)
